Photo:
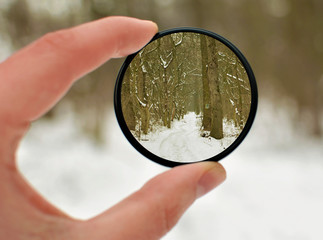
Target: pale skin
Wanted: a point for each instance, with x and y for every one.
(32, 81)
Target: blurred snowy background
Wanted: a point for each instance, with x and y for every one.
(77, 157)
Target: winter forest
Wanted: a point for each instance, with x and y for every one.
(77, 157)
(186, 81)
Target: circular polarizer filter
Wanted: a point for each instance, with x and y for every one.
(188, 96)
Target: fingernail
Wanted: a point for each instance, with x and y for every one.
(155, 24)
(212, 177)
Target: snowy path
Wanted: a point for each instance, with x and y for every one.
(182, 142)
(176, 144)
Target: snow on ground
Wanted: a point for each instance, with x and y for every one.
(183, 142)
(274, 187)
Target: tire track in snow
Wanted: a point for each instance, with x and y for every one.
(176, 145)
(182, 142)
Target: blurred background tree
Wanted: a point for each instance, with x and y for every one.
(282, 39)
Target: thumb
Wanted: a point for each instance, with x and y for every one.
(153, 210)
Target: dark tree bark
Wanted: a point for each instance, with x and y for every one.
(127, 103)
(215, 95)
(206, 122)
(143, 99)
(239, 106)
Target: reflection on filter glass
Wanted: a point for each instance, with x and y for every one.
(186, 97)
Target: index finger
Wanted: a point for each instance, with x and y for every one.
(35, 78)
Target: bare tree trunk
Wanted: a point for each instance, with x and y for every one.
(215, 95)
(206, 122)
(127, 104)
(143, 100)
(239, 114)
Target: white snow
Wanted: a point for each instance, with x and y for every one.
(221, 54)
(164, 63)
(274, 186)
(141, 103)
(183, 142)
(179, 42)
(229, 75)
(143, 68)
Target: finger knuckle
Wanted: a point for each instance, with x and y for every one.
(59, 40)
(165, 216)
(167, 220)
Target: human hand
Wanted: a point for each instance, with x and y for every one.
(31, 82)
